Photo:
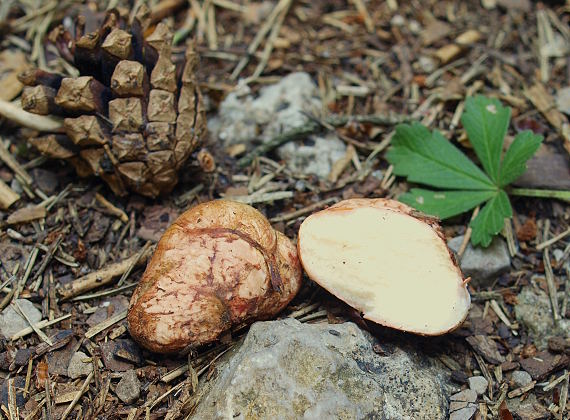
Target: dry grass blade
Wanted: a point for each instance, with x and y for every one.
(101, 277)
(271, 41)
(13, 164)
(39, 326)
(96, 329)
(563, 396)
(78, 395)
(39, 332)
(26, 119)
(134, 263)
(112, 208)
(549, 274)
(306, 210)
(467, 236)
(553, 240)
(260, 36)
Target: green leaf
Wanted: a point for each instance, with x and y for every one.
(444, 204)
(491, 219)
(486, 122)
(428, 158)
(523, 147)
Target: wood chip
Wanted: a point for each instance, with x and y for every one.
(7, 196)
(522, 390)
(545, 103)
(27, 214)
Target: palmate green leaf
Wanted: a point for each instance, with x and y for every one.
(486, 122)
(491, 219)
(523, 147)
(445, 204)
(428, 158)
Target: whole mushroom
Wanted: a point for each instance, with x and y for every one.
(218, 265)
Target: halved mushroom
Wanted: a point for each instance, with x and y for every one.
(388, 261)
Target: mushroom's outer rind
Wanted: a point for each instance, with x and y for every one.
(396, 206)
(219, 264)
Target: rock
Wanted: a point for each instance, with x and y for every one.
(129, 387)
(316, 155)
(557, 254)
(478, 384)
(118, 353)
(563, 100)
(289, 370)
(483, 265)
(528, 408)
(535, 312)
(558, 344)
(46, 180)
(463, 406)
(520, 378)
(11, 322)
(77, 367)
(107, 309)
(278, 108)
(487, 348)
(544, 363)
(548, 169)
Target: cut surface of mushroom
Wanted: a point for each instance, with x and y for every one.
(384, 260)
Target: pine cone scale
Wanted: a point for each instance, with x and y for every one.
(131, 129)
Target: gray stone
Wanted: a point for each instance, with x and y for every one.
(129, 387)
(278, 108)
(535, 312)
(316, 158)
(557, 254)
(484, 265)
(462, 405)
(548, 168)
(289, 370)
(478, 384)
(528, 408)
(77, 367)
(520, 378)
(12, 322)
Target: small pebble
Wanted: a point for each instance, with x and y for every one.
(558, 344)
(77, 367)
(462, 406)
(520, 378)
(129, 387)
(398, 20)
(12, 322)
(478, 384)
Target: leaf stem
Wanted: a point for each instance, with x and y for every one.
(528, 192)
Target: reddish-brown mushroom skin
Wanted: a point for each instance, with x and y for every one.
(218, 265)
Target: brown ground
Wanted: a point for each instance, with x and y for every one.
(388, 57)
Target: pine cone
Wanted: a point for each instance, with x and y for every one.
(133, 130)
